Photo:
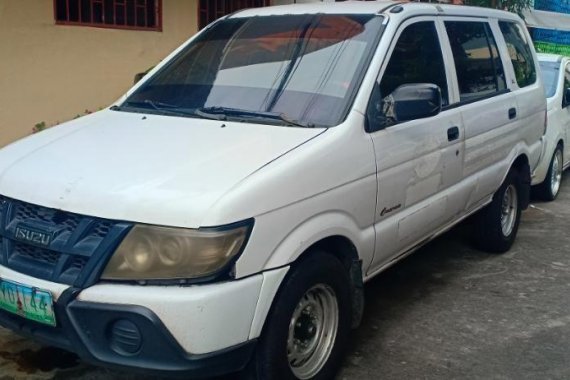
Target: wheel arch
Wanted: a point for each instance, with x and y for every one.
(521, 162)
(343, 249)
(561, 143)
(336, 232)
(339, 246)
(522, 165)
(342, 245)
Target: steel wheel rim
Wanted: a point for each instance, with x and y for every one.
(509, 210)
(312, 331)
(556, 173)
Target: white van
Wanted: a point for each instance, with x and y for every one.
(227, 210)
(556, 157)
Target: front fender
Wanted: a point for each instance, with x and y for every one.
(317, 228)
(549, 145)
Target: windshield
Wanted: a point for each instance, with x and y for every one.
(550, 76)
(300, 70)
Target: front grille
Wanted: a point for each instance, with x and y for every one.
(102, 228)
(74, 253)
(34, 253)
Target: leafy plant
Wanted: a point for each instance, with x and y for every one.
(516, 6)
(42, 125)
(39, 127)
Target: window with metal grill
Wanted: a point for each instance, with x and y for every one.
(211, 10)
(118, 14)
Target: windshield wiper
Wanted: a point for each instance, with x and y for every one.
(166, 108)
(222, 113)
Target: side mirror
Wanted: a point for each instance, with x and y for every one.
(414, 101)
(566, 98)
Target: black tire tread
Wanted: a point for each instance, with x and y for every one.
(488, 232)
(269, 361)
(543, 191)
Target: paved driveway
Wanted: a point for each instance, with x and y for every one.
(448, 311)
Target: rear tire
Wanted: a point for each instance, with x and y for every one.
(496, 226)
(549, 189)
(308, 327)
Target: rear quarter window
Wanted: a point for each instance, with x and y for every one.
(519, 52)
(477, 63)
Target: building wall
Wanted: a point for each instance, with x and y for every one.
(51, 72)
(552, 40)
(283, 2)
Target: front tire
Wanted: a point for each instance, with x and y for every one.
(308, 327)
(549, 189)
(496, 226)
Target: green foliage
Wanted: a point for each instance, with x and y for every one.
(42, 125)
(516, 6)
(39, 127)
(547, 47)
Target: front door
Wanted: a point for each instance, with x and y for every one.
(419, 161)
(491, 117)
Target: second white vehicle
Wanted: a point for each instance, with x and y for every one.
(556, 157)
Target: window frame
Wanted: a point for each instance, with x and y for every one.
(353, 94)
(555, 85)
(156, 28)
(565, 81)
(443, 43)
(505, 60)
(499, 34)
(491, 38)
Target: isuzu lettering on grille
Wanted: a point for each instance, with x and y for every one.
(33, 235)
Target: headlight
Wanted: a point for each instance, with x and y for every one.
(162, 253)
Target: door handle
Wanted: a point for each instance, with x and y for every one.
(453, 133)
(512, 113)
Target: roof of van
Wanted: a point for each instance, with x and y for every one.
(376, 7)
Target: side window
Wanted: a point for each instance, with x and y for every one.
(478, 65)
(520, 52)
(417, 58)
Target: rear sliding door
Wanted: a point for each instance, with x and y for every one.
(488, 107)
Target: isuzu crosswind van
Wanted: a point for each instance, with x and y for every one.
(225, 213)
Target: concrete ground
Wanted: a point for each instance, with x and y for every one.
(448, 311)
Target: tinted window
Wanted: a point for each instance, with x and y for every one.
(477, 63)
(417, 58)
(550, 74)
(301, 67)
(520, 53)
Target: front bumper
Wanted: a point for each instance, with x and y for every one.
(195, 331)
(126, 337)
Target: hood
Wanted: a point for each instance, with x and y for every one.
(141, 168)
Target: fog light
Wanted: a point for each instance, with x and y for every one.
(125, 338)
